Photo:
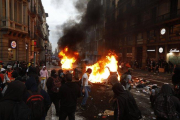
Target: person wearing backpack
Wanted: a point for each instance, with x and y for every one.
(37, 99)
(12, 106)
(53, 84)
(68, 94)
(166, 105)
(125, 107)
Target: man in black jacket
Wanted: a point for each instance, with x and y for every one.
(68, 94)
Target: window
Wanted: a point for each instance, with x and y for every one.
(24, 14)
(4, 8)
(151, 33)
(139, 36)
(133, 2)
(164, 8)
(10, 9)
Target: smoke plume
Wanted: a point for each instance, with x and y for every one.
(75, 33)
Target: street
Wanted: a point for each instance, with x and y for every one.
(100, 95)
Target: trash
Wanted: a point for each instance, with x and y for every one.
(153, 118)
(152, 113)
(108, 113)
(91, 98)
(99, 114)
(101, 100)
(104, 116)
(138, 91)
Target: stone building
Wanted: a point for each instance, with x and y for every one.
(13, 30)
(138, 30)
(22, 32)
(149, 29)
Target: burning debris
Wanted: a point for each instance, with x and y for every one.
(102, 69)
(67, 60)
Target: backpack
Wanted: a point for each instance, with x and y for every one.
(56, 84)
(36, 104)
(164, 107)
(21, 111)
(132, 111)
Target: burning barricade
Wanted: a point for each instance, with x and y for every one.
(104, 68)
(67, 59)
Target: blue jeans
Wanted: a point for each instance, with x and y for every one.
(86, 95)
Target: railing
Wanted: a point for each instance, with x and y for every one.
(163, 17)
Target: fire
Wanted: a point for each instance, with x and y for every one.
(101, 69)
(67, 61)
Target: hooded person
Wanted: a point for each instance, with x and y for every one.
(44, 76)
(34, 90)
(166, 106)
(122, 98)
(16, 76)
(14, 93)
(53, 84)
(68, 94)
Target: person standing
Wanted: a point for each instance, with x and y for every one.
(37, 99)
(125, 107)
(14, 93)
(85, 87)
(166, 105)
(68, 94)
(53, 84)
(44, 76)
(4, 76)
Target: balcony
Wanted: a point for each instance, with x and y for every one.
(151, 22)
(163, 18)
(33, 11)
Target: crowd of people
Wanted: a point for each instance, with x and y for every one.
(31, 91)
(153, 66)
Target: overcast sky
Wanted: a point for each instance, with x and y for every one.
(60, 11)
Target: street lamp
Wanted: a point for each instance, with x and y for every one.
(45, 46)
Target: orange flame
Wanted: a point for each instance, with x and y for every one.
(100, 70)
(67, 61)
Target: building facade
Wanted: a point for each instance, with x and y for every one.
(149, 29)
(21, 30)
(138, 30)
(13, 30)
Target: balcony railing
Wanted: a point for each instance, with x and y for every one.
(151, 22)
(163, 18)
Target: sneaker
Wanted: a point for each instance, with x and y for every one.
(83, 107)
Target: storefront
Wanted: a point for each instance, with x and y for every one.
(173, 54)
(12, 50)
(151, 52)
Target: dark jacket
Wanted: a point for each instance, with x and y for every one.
(49, 85)
(14, 93)
(120, 97)
(32, 86)
(166, 90)
(68, 94)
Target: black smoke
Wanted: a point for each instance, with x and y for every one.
(75, 34)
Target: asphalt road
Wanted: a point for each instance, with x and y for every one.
(99, 97)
